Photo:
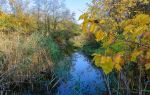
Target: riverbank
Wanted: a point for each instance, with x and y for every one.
(28, 61)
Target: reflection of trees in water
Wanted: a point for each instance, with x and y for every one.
(82, 78)
(62, 69)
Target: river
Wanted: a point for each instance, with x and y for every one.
(84, 78)
(78, 77)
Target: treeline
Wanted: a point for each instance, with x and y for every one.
(26, 15)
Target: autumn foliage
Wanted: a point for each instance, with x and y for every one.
(123, 29)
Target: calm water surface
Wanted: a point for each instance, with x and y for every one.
(84, 78)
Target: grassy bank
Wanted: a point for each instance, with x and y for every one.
(26, 58)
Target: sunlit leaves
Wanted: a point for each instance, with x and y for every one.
(105, 62)
(118, 59)
(102, 21)
(10, 23)
(147, 56)
(111, 38)
(129, 28)
(100, 35)
(97, 59)
(145, 1)
(7, 22)
(118, 67)
(135, 54)
(84, 26)
(137, 26)
(83, 16)
(124, 36)
(85, 22)
(146, 36)
(142, 19)
(92, 27)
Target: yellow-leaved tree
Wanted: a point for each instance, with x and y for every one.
(123, 29)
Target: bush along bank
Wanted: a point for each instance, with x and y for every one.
(27, 61)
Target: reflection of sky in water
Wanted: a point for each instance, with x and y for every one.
(85, 79)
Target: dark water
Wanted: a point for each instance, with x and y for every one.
(78, 77)
(84, 78)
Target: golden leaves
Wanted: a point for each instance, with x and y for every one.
(133, 28)
(102, 21)
(147, 56)
(84, 26)
(138, 20)
(109, 51)
(118, 67)
(135, 54)
(111, 38)
(2, 15)
(24, 23)
(119, 61)
(145, 1)
(140, 30)
(105, 62)
(100, 35)
(129, 28)
(83, 16)
(96, 59)
(146, 36)
(93, 27)
(121, 37)
(141, 19)
(85, 22)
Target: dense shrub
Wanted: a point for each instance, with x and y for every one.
(23, 57)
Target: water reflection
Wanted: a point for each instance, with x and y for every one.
(84, 79)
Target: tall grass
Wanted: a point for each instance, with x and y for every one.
(24, 57)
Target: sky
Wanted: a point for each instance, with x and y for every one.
(77, 6)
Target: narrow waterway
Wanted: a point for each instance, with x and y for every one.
(78, 77)
(84, 78)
